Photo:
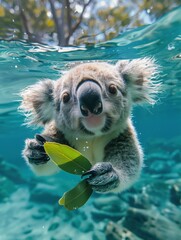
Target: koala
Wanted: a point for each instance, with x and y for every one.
(89, 109)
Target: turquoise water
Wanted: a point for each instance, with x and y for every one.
(151, 209)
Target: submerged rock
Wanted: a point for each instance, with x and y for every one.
(53, 226)
(110, 207)
(176, 155)
(63, 237)
(157, 192)
(104, 202)
(158, 167)
(44, 193)
(173, 213)
(98, 235)
(84, 225)
(175, 194)
(102, 215)
(11, 171)
(117, 232)
(149, 225)
(140, 201)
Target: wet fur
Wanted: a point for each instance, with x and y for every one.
(117, 143)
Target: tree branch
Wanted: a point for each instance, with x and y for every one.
(69, 17)
(58, 23)
(80, 18)
(24, 20)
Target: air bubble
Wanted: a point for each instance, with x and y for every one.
(148, 11)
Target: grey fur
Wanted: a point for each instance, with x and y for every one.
(108, 138)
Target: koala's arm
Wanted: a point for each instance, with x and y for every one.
(35, 155)
(122, 164)
(38, 106)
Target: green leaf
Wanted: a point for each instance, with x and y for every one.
(76, 197)
(67, 158)
(70, 160)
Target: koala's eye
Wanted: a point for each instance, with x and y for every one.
(113, 89)
(66, 97)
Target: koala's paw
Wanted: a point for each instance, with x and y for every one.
(103, 177)
(34, 151)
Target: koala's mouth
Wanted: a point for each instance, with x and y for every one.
(96, 123)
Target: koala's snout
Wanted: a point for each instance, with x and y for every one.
(89, 97)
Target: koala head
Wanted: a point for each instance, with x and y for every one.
(91, 99)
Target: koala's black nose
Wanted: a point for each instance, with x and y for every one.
(89, 96)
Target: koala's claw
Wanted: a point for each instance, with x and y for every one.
(40, 138)
(34, 151)
(102, 177)
(89, 173)
(98, 169)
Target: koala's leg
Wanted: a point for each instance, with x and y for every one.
(122, 164)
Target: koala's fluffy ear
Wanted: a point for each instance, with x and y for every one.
(37, 103)
(138, 76)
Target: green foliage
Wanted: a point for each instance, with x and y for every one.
(67, 158)
(71, 161)
(75, 22)
(159, 7)
(76, 197)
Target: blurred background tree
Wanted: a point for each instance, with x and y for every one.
(80, 22)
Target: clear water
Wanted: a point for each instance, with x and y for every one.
(23, 216)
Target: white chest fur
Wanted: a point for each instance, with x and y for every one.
(93, 149)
